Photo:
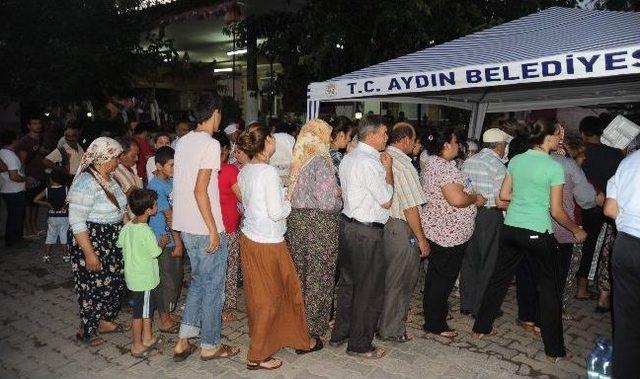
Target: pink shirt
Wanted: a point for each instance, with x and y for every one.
(195, 151)
(443, 223)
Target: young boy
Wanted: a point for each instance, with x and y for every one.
(171, 261)
(55, 197)
(140, 251)
(162, 139)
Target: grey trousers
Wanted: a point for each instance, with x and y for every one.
(402, 256)
(171, 274)
(480, 259)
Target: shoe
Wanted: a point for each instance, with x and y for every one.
(317, 347)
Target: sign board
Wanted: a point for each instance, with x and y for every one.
(569, 66)
(620, 132)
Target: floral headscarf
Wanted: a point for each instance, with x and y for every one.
(101, 150)
(314, 139)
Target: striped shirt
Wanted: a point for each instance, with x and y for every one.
(407, 191)
(89, 203)
(486, 172)
(126, 178)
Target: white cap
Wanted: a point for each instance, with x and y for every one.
(232, 128)
(494, 135)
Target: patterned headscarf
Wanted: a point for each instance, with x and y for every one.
(314, 139)
(101, 150)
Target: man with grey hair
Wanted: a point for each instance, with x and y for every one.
(404, 240)
(366, 178)
(486, 172)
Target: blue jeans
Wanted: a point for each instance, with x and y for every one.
(203, 308)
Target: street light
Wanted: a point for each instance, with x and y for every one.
(228, 69)
(237, 52)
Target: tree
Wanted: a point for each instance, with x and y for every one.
(70, 50)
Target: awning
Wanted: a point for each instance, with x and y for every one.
(559, 57)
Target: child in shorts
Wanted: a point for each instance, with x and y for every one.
(55, 198)
(141, 273)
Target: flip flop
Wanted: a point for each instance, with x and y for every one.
(92, 342)
(259, 365)
(449, 333)
(179, 357)
(373, 354)
(224, 351)
(142, 354)
(118, 329)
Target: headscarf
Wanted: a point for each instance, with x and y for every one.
(101, 150)
(313, 140)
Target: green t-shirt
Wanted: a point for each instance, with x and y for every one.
(140, 251)
(533, 174)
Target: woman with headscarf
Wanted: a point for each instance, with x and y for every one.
(313, 223)
(96, 207)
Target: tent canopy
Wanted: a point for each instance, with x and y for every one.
(558, 57)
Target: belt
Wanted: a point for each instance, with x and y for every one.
(370, 224)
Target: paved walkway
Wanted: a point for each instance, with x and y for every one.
(38, 317)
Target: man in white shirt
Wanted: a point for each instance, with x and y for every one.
(197, 215)
(623, 205)
(12, 187)
(69, 155)
(366, 178)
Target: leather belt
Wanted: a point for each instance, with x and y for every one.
(370, 224)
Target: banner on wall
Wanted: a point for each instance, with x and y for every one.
(578, 65)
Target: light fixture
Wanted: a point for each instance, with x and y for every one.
(228, 69)
(236, 52)
(89, 114)
(339, 46)
(358, 115)
(46, 114)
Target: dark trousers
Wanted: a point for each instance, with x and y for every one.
(592, 220)
(565, 251)
(442, 271)
(15, 203)
(625, 267)
(402, 257)
(480, 259)
(361, 285)
(515, 244)
(526, 293)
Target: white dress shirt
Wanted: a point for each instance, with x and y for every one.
(624, 187)
(265, 207)
(364, 185)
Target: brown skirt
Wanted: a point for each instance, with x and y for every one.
(275, 307)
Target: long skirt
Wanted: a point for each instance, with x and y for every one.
(274, 299)
(604, 245)
(313, 237)
(100, 294)
(233, 262)
(570, 282)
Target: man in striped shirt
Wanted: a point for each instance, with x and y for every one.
(404, 240)
(486, 171)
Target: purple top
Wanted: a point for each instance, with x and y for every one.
(317, 186)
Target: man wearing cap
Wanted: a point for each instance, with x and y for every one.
(232, 132)
(486, 172)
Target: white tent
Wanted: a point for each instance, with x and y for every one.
(556, 58)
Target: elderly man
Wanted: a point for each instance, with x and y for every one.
(404, 240)
(366, 178)
(69, 154)
(486, 172)
(623, 205)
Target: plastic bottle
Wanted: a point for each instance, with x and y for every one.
(593, 364)
(605, 363)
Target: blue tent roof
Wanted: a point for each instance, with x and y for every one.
(549, 32)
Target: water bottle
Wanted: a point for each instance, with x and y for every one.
(593, 364)
(605, 363)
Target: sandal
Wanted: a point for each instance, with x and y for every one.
(179, 357)
(155, 343)
(118, 329)
(173, 329)
(260, 365)
(567, 357)
(401, 339)
(317, 347)
(142, 354)
(91, 342)
(224, 351)
(373, 354)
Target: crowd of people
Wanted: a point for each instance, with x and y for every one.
(327, 231)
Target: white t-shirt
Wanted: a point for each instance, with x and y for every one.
(196, 151)
(281, 158)
(13, 163)
(75, 156)
(265, 207)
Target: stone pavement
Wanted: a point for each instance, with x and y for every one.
(39, 320)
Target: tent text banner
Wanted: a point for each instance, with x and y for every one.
(579, 65)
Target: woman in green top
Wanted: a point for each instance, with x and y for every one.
(533, 186)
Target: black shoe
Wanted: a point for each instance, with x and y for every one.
(319, 345)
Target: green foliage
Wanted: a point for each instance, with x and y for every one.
(69, 50)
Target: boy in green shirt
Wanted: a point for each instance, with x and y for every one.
(141, 250)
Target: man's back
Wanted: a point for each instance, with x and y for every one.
(601, 162)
